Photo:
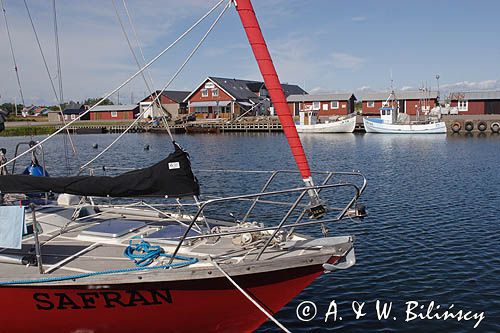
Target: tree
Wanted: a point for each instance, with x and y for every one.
(92, 101)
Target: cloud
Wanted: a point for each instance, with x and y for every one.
(358, 18)
(347, 61)
(407, 88)
(472, 85)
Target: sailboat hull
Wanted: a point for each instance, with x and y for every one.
(374, 125)
(340, 126)
(208, 305)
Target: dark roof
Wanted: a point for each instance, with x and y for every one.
(175, 95)
(239, 89)
(247, 89)
(292, 89)
(73, 111)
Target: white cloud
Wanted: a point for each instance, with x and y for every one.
(472, 85)
(347, 61)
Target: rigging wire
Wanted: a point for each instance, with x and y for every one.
(58, 54)
(250, 298)
(13, 54)
(165, 87)
(119, 87)
(149, 84)
(58, 97)
(61, 98)
(160, 106)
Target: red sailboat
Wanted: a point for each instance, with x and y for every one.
(88, 267)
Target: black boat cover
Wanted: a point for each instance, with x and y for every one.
(170, 177)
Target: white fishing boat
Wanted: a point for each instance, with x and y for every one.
(309, 123)
(392, 122)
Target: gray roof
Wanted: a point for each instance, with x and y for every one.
(472, 95)
(404, 94)
(320, 97)
(176, 95)
(239, 89)
(247, 89)
(292, 89)
(105, 108)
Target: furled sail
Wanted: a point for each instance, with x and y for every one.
(170, 177)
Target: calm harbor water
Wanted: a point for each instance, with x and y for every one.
(432, 233)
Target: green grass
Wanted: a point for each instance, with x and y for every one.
(28, 130)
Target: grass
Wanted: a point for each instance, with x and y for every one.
(28, 130)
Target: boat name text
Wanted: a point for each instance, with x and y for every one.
(97, 299)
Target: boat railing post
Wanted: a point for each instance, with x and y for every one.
(282, 222)
(188, 229)
(264, 188)
(38, 251)
(301, 216)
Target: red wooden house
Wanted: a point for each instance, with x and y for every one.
(410, 102)
(478, 102)
(218, 97)
(172, 103)
(114, 112)
(333, 104)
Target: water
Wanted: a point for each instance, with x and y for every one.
(432, 233)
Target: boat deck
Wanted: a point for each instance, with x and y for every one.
(97, 244)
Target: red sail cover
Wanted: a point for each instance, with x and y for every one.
(273, 85)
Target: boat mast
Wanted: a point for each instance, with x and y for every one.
(273, 85)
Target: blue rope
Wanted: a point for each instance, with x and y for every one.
(141, 260)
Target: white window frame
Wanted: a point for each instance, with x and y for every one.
(215, 92)
(316, 105)
(73, 116)
(370, 104)
(325, 107)
(332, 104)
(463, 105)
(204, 92)
(114, 114)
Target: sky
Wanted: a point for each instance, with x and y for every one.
(321, 45)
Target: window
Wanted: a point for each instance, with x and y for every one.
(73, 116)
(325, 107)
(370, 104)
(316, 105)
(114, 114)
(463, 105)
(204, 93)
(334, 104)
(215, 92)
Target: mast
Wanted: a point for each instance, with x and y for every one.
(273, 85)
(261, 53)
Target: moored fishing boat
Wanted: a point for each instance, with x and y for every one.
(86, 265)
(389, 122)
(340, 125)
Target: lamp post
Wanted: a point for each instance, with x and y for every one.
(437, 79)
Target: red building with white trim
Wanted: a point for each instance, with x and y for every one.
(333, 104)
(410, 102)
(217, 97)
(476, 102)
(114, 112)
